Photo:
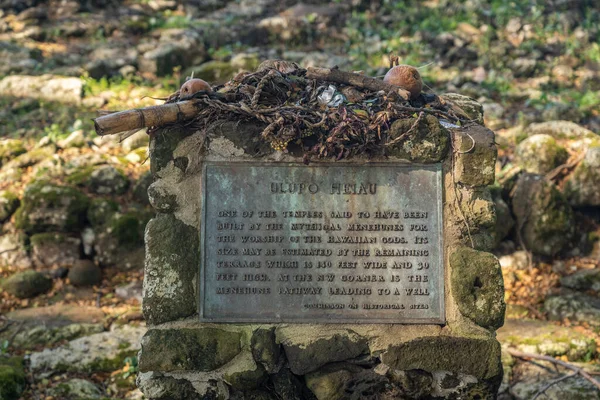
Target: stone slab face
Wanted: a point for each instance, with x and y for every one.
(322, 243)
(213, 188)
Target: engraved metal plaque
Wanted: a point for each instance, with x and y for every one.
(322, 243)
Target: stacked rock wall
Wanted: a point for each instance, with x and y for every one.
(182, 357)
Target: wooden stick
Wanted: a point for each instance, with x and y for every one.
(552, 383)
(140, 118)
(577, 370)
(357, 80)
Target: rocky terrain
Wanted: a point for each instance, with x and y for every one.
(73, 206)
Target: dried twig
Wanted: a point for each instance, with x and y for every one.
(569, 165)
(552, 383)
(405, 134)
(9, 250)
(357, 80)
(577, 370)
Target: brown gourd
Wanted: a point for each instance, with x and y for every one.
(407, 77)
(193, 86)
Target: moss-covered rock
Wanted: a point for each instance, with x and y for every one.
(202, 349)
(472, 356)
(31, 157)
(475, 160)
(539, 154)
(465, 105)
(308, 352)
(560, 130)
(478, 287)
(265, 349)
(415, 383)
(80, 175)
(576, 307)
(12, 378)
(582, 187)
(548, 339)
(9, 149)
(329, 382)
(120, 237)
(288, 386)
(428, 142)
(27, 284)
(157, 386)
(247, 374)
(215, 71)
(42, 335)
(478, 207)
(582, 280)
(504, 219)
(163, 144)
(246, 137)
(108, 180)
(13, 251)
(49, 207)
(76, 389)
(85, 273)
(172, 251)
(101, 211)
(54, 248)
(104, 351)
(140, 188)
(544, 217)
(9, 202)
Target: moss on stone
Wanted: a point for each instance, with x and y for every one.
(547, 220)
(215, 71)
(582, 187)
(27, 284)
(203, 349)
(9, 202)
(9, 149)
(81, 175)
(472, 356)
(109, 364)
(12, 378)
(45, 238)
(540, 154)
(32, 157)
(248, 378)
(478, 287)
(162, 145)
(128, 228)
(49, 207)
(101, 211)
(476, 161)
(265, 349)
(469, 106)
(172, 252)
(427, 143)
(306, 356)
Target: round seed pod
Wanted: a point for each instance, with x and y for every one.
(193, 86)
(407, 77)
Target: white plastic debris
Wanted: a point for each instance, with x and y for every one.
(447, 124)
(331, 97)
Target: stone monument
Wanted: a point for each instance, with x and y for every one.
(270, 278)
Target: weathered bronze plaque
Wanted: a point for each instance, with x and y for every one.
(322, 243)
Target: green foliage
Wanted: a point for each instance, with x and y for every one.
(4, 347)
(131, 367)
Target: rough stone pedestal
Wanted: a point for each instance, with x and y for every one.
(182, 358)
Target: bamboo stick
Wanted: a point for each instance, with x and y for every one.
(140, 118)
(357, 80)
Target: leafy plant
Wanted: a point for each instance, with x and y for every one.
(131, 367)
(4, 346)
